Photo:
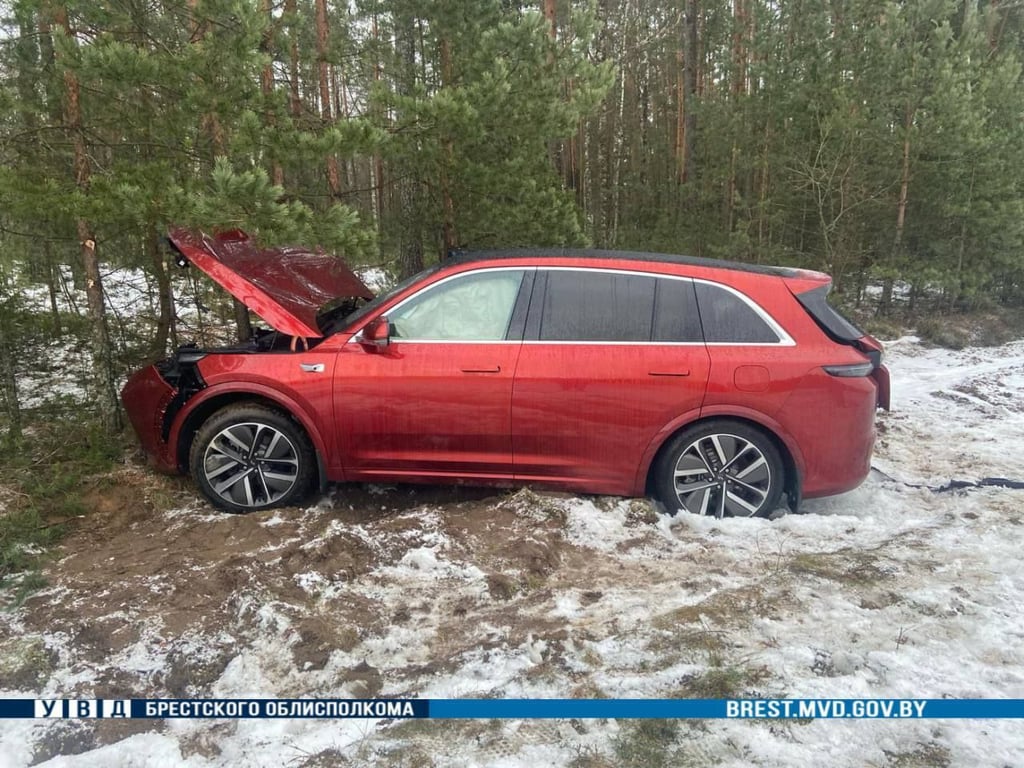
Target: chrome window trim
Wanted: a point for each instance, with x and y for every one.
(785, 340)
(445, 341)
(619, 343)
(613, 271)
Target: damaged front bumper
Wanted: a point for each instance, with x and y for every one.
(146, 397)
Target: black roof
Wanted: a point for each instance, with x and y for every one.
(461, 257)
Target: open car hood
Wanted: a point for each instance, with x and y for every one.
(285, 286)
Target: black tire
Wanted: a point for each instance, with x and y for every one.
(701, 461)
(248, 457)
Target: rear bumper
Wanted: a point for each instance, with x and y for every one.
(881, 377)
(833, 420)
(146, 397)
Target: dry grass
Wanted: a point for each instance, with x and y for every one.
(725, 682)
(852, 567)
(930, 755)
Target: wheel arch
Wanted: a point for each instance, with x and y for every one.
(792, 459)
(204, 405)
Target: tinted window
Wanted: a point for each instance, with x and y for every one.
(727, 318)
(675, 312)
(828, 317)
(597, 306)
(475, 307)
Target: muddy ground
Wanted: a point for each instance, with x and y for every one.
(891, 590)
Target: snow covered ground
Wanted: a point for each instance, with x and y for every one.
(887, 591)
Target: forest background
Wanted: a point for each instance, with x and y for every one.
(880, 141)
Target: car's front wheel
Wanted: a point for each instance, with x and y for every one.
(248, 457)
(721, 468)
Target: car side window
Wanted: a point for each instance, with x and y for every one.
(675, 312)
(597, 306)
(728, 319)
(473, 307)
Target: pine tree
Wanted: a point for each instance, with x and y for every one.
(474, 93)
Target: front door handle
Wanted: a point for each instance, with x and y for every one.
(493, 369)
(680, 373)
(312, 367)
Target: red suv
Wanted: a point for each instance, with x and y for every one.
(717, 387)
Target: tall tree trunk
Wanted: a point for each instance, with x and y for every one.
(211, 124)
(449, 236)
(103, 383)
(688, 96)
(340, 107)
(9, 378)
(616, 138)
(409, 192)
(962, 245)
(294, 98)
(51, 285)
(595, 172)
(267, 83)
(885, 303)
(27, 71)
(26, 46)
(763, 180)
(739, 85)
(679, 145)
(550, 10)
(378, 158)
(8, 372)
(324, 75)
(48, 64)
(410, 256)
(165, 297)
(739, 47)
(243, 323)
(571, 160)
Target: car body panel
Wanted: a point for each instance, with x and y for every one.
(583, 414)
(284, 286)
(577, 415)
(427, 408)
(833, 418)
(147, 397)
(277, 377)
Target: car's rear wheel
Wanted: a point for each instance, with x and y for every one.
(248, 457)
(720, 468)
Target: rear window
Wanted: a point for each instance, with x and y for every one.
(728, 319)
(828, 317)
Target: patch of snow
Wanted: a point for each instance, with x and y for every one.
(149, 749)
(377, 279)
(592, 527)
(885, 591)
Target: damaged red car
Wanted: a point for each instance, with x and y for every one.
(719, 388)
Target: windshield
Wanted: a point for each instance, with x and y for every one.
(333, 321)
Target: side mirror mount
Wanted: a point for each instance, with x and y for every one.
(376, 333)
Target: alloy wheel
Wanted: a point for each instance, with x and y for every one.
(722, 475)
(251, 464)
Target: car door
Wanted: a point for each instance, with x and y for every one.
(436, 400)
(609, 359)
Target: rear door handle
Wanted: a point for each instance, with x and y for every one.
(494, 369)
(679, 373)
(312, 367)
